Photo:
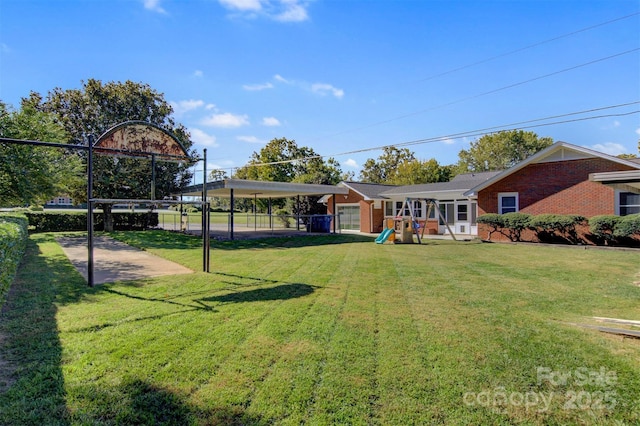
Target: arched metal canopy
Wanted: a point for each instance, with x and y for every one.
(141, 139)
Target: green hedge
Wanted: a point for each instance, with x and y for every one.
(604, 229)
(77, 221)
(13, 241)
(628, 226)
(553, 228)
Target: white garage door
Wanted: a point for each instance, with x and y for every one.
(349, 217)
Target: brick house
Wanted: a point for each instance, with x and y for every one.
(561, 179)
(557, 180)
(367, 204)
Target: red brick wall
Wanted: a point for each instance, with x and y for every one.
(378, 218)
(561, 187)
(365, 211)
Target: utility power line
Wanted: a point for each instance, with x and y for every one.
(530, 46)
(490, 92)
(528, 124)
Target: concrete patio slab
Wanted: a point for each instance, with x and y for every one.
(116, 261)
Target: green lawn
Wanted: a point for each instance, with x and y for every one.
(324, 330)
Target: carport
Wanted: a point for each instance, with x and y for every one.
(253, 189)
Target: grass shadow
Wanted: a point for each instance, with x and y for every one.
(30, 353)
(139, 402)
(279, 292)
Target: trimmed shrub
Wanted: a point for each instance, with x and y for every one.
(516, 223)
(602, 227)
(494, 220)
(13, 241)
(57, 221)
(556, 227)
(77, 221)
(627, 226)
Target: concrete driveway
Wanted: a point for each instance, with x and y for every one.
(115, 261)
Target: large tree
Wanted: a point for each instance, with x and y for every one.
(500, 151)
(400, 167)
(95, 108)
(382, 169)
(282, 160)
(32, 175)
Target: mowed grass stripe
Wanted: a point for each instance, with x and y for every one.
(256, 357)
(321, 331)
(344, 388)
(288, 392)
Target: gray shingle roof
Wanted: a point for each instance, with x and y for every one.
(461, 182)
(368, 190)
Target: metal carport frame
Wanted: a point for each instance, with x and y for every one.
(232, 188)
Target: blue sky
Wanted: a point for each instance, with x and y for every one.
(343, 76)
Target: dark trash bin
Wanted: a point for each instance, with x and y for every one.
(321, 223)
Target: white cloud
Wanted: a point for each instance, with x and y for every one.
(270, 122)
(226, 120)
(154, 6)
(202, 138)
(242, 5)
(281, 79)
(351, 163)
(250, 139)
(198, 73)
(293, 12)
(277, 10)
(257, 87)
(182, 107)
(638, 131)
(449, 141)
(323, 88)
(616, 123)
(4, 48)
(610, 148)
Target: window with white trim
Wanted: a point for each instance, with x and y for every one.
(507, 202)
(629, 203)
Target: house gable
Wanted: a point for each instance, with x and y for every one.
(555, 181)
(558, 152)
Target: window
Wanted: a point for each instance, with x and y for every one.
(447, 211)
(629, 203)
(432, 213)
(507, 202)
(474, 213)
(463, 212)
(388, 208)
(417, 209)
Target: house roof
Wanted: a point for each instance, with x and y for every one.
(559, 151)
(461, 182)
(369, 191)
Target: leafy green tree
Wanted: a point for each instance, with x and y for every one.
(97, 107)
(499, 151)
(400, 167)
(218, 174)
(416, 172)
(282, 160)
(627, 156)
(32, 175)
(385, 167)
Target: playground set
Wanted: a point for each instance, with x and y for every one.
(402, 227)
